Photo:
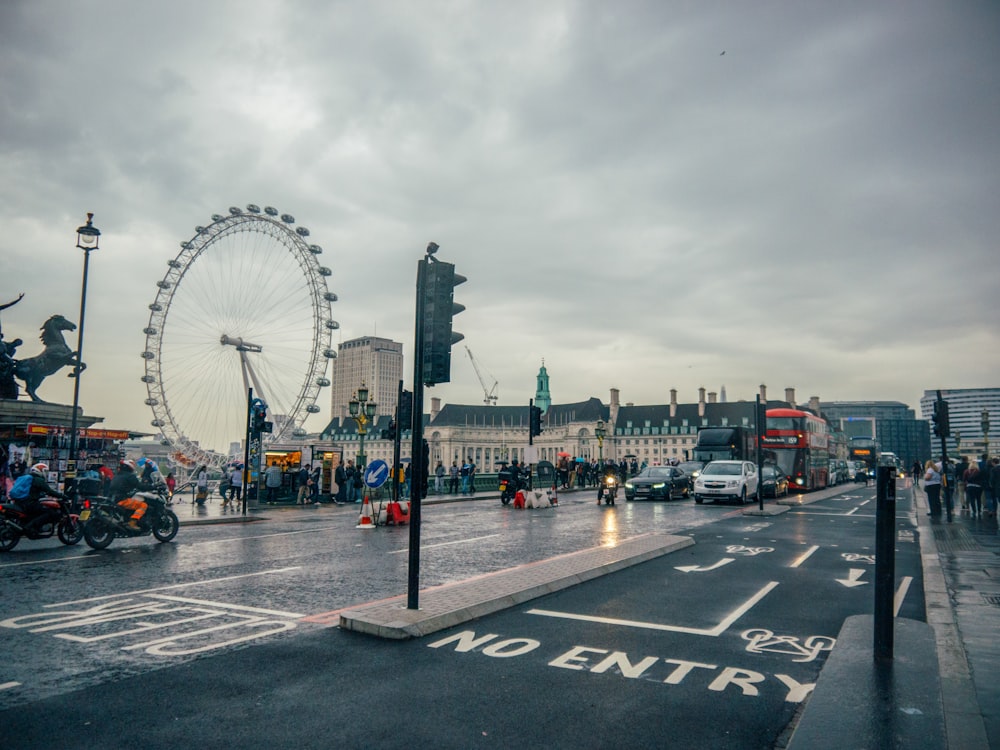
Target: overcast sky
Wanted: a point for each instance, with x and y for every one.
(646, 195)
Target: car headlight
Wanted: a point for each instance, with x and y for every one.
(731, 483)
(659, 485)
(628, 485)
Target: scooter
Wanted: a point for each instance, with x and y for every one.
(510, 483)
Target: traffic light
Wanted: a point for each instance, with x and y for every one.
(437, 307)
(942, 427)
(258, 421)
(535, 420)
(390, 433)
(406, 410)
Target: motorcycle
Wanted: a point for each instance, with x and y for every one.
(607, 489)
(15, 523)
(510, 483)
(104, 520)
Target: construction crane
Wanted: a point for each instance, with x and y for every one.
(489, 392)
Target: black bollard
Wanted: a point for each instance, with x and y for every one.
(885, 559)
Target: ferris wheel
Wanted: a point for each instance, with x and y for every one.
(245, 304)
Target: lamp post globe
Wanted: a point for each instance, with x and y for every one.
(87, 239)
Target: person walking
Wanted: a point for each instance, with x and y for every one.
(201, 485)
(453, 476)
(235, 485)
(932, 486)
(994, 484)
(314, 485)
(973, 491)
(988, 499)
(439, 479)
(960, 468)
(272, 482)
(302, 478)
(340, 478)
(915, 472)
(350, 473)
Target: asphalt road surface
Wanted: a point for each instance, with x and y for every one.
(227, 635)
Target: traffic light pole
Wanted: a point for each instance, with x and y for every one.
(943, 428)
(417, 433)
(246, 449)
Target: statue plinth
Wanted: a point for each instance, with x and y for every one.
(19, 413)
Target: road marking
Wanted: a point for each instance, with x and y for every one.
(240, 607)
(804, 556)
(853, 577)
(8, 685)
(713, 632)
(904, 587)
(175, 586)
(444, 544)
(700, 569)
(43, 562)
(852, 511)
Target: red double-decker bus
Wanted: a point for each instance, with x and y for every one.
(800, 442)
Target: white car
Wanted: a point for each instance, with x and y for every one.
(727, 480)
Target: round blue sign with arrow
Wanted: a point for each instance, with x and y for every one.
(376, 473)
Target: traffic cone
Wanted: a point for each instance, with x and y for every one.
(365, 521)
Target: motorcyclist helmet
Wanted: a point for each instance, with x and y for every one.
(129, 464)
(41, 469)
(141, 462)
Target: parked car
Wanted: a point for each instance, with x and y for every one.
(773, 482)
(726, 480)
(658, 483)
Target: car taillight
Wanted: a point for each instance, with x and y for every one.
(86, 504)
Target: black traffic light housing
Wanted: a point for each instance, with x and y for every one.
(535, 420)
(259, 423)
(942, 425)
(437, 309)
(390, 433)
(405, 410)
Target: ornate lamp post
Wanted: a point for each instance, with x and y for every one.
(600, 433)
(87, 239)
(362, 411)
(985, 424)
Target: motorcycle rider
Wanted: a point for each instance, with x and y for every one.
(125, 483)
(610, 469)
(32, 505)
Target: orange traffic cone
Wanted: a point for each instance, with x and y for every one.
(365, 521)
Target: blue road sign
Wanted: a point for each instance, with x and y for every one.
(376, 473)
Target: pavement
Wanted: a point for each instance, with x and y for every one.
(938, 690)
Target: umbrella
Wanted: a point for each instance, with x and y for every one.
(631, 455)
(563, 453)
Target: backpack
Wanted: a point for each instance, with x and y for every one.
(21, 488)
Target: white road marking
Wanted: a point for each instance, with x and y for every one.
(904, 586)
(853, 578)
(804, 556)
(176, 586)
(240, 607)
(8, 685)
(445, 544)
(700, 569)
(713, 632)
(44, 562)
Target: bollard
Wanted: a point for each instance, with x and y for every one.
(885, 559)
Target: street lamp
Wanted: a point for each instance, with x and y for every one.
(985, 424)
(87, 239)
(600, 433)
(362, 411)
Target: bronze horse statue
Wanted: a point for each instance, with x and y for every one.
(55, 355)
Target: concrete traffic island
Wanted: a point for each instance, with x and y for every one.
(452, 604)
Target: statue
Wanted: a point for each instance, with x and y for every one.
(55, 355)
(8, 386)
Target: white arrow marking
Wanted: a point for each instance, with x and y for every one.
(852, 579)
(699, 569)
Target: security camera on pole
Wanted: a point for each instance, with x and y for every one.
(433, 339)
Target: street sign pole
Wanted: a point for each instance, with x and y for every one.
(885, 559)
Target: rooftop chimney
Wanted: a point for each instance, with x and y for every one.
(712, 398)
(673, 403)
(763, 393)
(790, 396)
(701, 402)
(435, 407)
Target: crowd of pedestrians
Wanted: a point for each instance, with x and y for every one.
(973, 485)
